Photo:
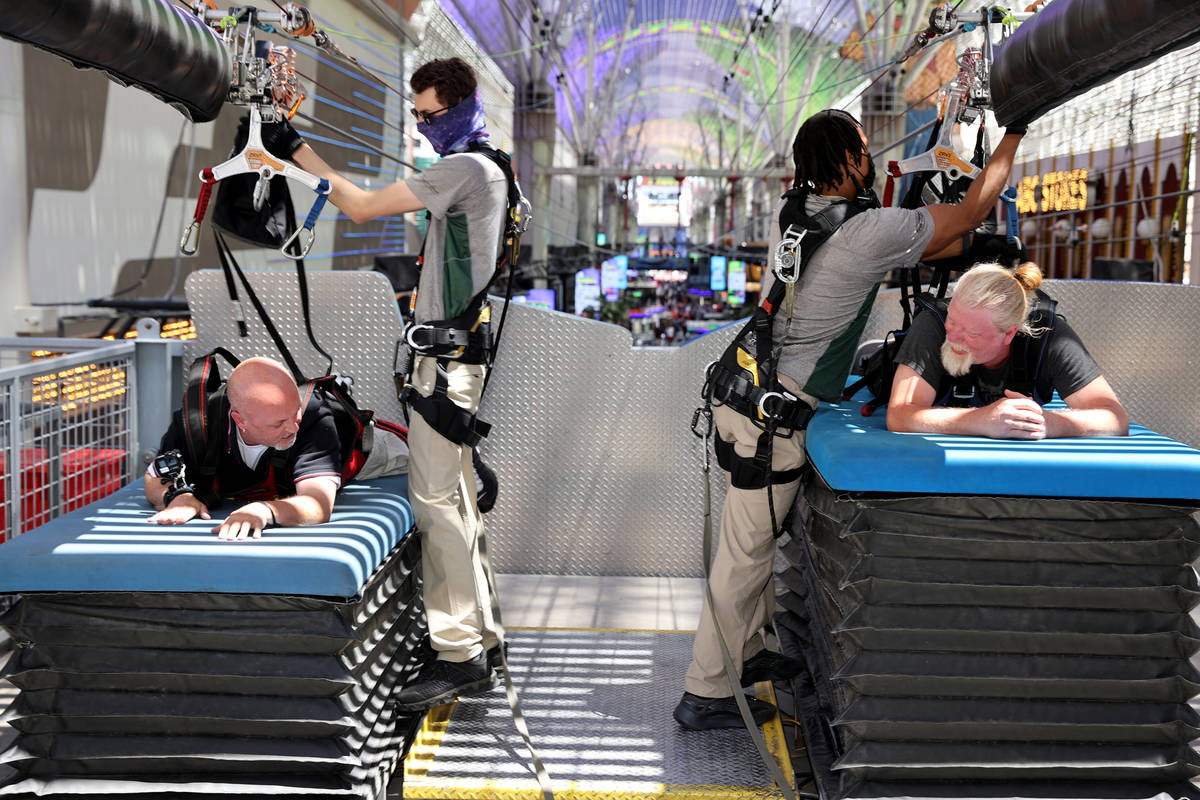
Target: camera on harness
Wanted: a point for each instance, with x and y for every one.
(169, 467)
(171, 470)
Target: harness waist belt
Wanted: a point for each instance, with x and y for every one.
(779, 406)
(459, 344)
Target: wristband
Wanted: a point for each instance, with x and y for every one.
(274, 523)
(175, 491)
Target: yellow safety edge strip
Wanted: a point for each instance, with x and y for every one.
(436, 723)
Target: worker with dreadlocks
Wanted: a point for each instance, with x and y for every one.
(760, 419)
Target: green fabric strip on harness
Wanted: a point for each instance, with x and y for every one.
(829, 376)
(458, 287)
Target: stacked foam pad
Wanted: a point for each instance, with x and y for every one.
(147, 694)
(994, 646)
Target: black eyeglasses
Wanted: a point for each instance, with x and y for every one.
(425, 116)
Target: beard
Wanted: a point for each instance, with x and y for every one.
(957, 364)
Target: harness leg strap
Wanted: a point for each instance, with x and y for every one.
(752, 472)
(446, 417)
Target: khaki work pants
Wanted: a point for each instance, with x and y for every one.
(741, 577)
(441, 487)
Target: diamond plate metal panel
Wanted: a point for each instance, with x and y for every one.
(1145, 336)
(354, 318)
(599, 471)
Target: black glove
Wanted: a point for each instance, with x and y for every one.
(279, 138)
(1018, 126)
(987, 247)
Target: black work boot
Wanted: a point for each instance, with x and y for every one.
(493, 658)
(696, 713)
(768, 666)
(443, 681)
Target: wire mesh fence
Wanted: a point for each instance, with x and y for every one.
(67, 433)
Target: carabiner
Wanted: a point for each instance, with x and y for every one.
(322, 190)
(261, 189)
(787, 254)
(703, 412)
(190, 236)
(295, 239)
(522, 215)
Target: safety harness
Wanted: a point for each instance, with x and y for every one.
(1021, 371)
(744, 377)
(466, 338)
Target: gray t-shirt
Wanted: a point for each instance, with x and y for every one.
(1054, 361)
(834, 295)
(467, 198)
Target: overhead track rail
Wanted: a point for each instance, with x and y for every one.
(1072, 46)
(149, 44)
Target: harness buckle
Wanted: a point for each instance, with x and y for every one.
(521, 215)
(786, 254)
(408, 337)
(782, 398)
(762, 404)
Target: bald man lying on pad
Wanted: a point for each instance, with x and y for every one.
(279, 464)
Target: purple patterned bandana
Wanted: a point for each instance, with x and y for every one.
(452, 131)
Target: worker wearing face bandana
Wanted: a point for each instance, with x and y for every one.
(761, 407)
(466, 197)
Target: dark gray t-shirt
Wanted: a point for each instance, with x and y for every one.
(835, 294)
(467, 197)
(1065, 364)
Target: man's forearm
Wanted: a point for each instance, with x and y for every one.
(155, 490)
(344, 194)
(311, 505)
(985, 190)
(297, 511)
(913, 419)
(357, 203)
(1085, 422)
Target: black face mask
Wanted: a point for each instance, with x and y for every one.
(864, 194)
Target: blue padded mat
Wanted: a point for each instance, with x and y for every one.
(109, 547)
(854, 453)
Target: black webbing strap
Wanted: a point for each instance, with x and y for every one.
(748, 473)
(445, 416)
(512, 241)
(204, 402)
(228, 262)
(230, 266)
(733, 389)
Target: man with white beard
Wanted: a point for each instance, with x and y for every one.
(987, 370)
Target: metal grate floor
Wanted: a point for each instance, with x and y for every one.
(598, 703)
